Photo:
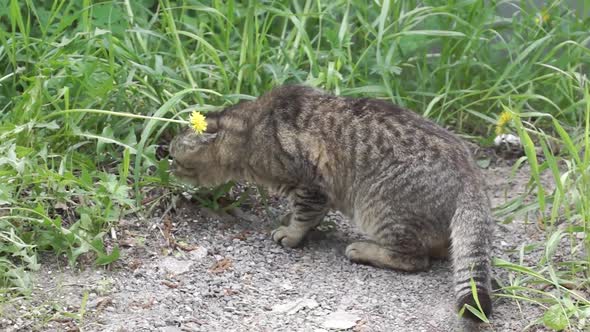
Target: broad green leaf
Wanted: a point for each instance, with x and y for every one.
(107, 259)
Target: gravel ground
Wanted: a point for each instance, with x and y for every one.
(226, 274)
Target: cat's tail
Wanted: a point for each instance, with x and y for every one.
(471, 232)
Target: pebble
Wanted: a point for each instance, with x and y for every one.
(341, 320)
(175, 266)
(199, 253)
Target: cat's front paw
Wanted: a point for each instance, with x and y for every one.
(285, 236)
(358, 251)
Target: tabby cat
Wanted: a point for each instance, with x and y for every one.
(409, 184)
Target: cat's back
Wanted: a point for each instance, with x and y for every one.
(339, 143)
(360, 130)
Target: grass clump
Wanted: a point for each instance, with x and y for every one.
(559, 282)
(89, 88)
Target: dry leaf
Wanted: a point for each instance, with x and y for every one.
(149, 303)
(169, 284)
(294, 306)
(60, 206)
(360, 325)
(127, 242)
(221, 266)
(134, 264)
(103, 302)
(229, 292)
(167, 232)
(185, 246)
(243, 235)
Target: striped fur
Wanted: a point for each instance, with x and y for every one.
(409, 184)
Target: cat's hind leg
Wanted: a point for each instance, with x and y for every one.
(308, 208)
(394, 245)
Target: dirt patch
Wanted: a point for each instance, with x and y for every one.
(197, 272)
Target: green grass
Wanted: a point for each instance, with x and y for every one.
(559, 285)
(68, 174)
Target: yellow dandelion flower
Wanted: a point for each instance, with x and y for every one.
(198, 122)
(542, 18)
(503, 120)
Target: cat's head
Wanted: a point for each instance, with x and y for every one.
(197, 158)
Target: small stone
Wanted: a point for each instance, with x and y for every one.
(173, 265)
(199, 253)
(341, 320)
(292, 307)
